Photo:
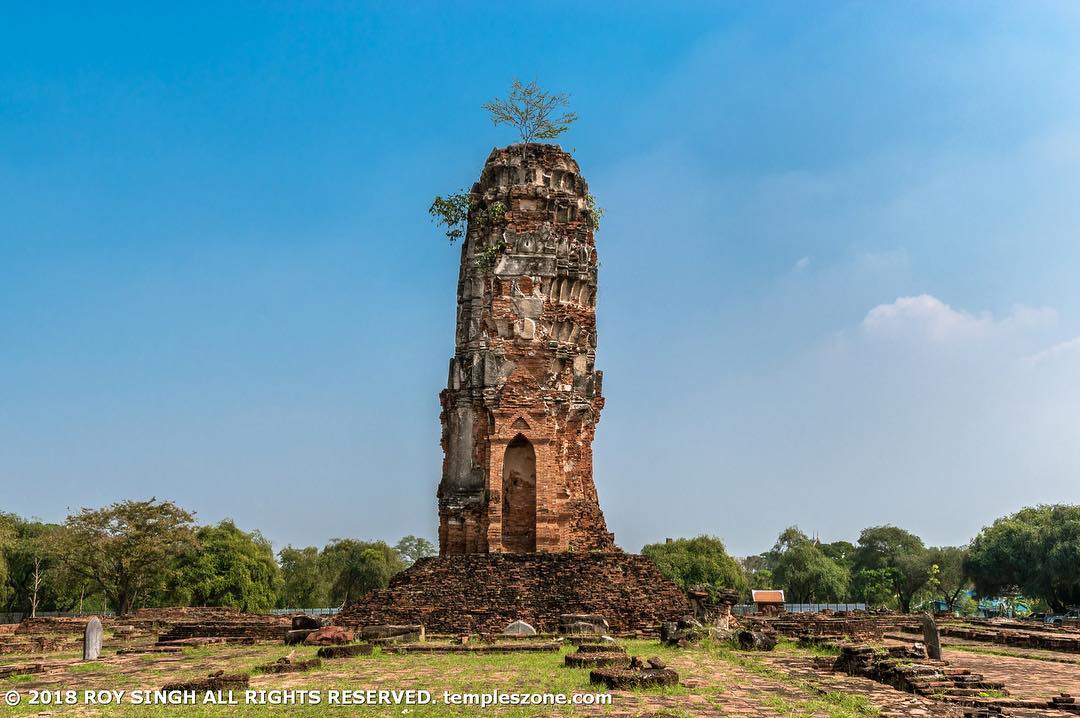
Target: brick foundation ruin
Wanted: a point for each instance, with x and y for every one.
(483, 594)
(523, 396)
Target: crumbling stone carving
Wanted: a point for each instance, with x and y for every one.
(523, 395)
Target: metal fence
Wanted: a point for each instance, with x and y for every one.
(17, 617)
(744, 609)
(312, 611)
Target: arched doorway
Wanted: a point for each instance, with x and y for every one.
(519, 496)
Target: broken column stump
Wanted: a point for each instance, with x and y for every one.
(92, 639)
(931, 637)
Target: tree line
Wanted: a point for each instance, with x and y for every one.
(1033, 554)
(136, 554)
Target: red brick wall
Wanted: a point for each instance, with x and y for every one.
(524, 363)
(483, 594)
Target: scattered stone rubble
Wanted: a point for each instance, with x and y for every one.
(639, 674)
(907, 668)
(597, 654)
(834, 627)
(329, 636)
(348, 651)
(218, 681)
(286, 664)
(21, 670)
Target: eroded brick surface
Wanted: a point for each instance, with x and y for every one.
(523, 396)
(477, 593)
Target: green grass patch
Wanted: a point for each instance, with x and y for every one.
(88, 667)
(834, 705)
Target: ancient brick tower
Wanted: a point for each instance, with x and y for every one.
(523, 397)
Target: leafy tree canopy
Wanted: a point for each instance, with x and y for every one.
(126, 550)
(356, 567)
(229, 568)
(532, 111)
(303, 582)
(948, 576)
(803, 570)
(413, 548)
(697, 561)
(1035, 551)
(901, 554)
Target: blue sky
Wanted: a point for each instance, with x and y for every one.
(839, 260)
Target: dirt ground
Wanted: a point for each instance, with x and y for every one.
(715, 681)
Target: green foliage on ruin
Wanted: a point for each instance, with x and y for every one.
(596, 213)
(452, 212)
(532, 111)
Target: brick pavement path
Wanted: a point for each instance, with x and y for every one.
(1023, 677)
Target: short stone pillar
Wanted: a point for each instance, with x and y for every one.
(931, 637)
(92, 640)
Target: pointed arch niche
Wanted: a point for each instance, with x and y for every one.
(519, 496)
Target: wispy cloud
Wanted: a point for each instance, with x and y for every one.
(1061, 350)
(927, 317)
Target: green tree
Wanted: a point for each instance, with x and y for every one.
(532, 111)
(452, 212)
(843, 552)
(901, 554)
(697, 561)
(803, 570)
(874, 587)
(757, 571)
(949, 579)
(356, 567)
(126, 550)
(229, 567)
(8, 528)
(413, 548)
(303, 583)
(1035, 551)
(32, 567)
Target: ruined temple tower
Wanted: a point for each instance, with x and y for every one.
(523, 396)
(521, 535)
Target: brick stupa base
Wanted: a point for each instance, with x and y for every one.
(483, 593)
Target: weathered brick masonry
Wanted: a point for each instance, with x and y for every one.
(521, 534)
(523, 396)
(482, 594)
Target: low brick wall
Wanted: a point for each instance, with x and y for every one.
(482, 593)
(1050, 639)
(256, 627)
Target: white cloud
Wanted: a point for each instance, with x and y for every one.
(928, 318)
(802, 264)
(1060, 350)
